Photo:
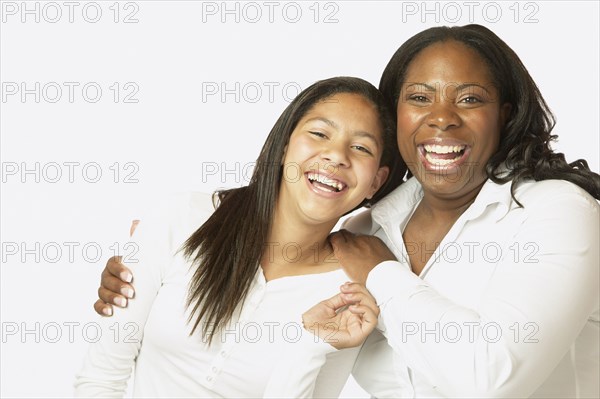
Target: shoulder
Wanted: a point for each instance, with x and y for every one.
(360, 223)
(554, 193)
(174, 217)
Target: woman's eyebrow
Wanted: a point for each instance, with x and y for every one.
(467, 85)
(458, 86)
(428, 87)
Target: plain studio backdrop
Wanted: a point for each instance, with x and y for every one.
(108, 106)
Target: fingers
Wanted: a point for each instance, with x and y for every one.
(353, 287)
(118, 269)
(367, 315)
(134, 224)
(362, 300)
(110, 297)
(335, 302)
(114, 284)
(103, 309)
(354, 293)
(340, 238)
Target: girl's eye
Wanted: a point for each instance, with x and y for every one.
(318, 134)
(362, 149)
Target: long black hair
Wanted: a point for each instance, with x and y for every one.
(227, 248)
(525, 140)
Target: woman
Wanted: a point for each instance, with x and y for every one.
(330, 152)
(490, 284)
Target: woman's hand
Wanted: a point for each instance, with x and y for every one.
(344, 320)
(114, 287)
(359, 254)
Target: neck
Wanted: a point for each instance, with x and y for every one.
(296, 242)
(445, 208)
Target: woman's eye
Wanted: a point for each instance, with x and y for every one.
(418, 98)
(470, 100)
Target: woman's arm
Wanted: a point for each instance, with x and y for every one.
(553, 296)
(108, 364)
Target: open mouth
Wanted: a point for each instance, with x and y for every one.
(443, 156)
(326, 184)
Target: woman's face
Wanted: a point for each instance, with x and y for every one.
(449, 119)
(332, 159)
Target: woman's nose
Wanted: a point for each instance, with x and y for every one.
(443, 116)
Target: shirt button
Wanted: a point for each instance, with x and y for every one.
(214, 369)
(223, 353)
(209, 378)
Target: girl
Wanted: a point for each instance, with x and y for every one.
(218, 310)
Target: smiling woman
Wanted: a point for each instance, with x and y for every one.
(485, 262)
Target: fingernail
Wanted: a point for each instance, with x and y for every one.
(122, 302)
(126, 277)
(107, 311)
(128, 292)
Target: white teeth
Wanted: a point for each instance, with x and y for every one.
(443, 149)
(323, 179)
(439, 162)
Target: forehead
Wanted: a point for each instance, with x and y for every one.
(347, 108)
(449, 61)
(344, 102)
(345, 111)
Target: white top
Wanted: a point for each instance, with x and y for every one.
(253, 357)
(507, 306)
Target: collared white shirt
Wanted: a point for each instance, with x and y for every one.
(253, 357)
(507, 305)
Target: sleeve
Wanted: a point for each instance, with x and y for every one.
(108, 364)
(309, 368)
(334, 374)
(374, 368)
(531, 312)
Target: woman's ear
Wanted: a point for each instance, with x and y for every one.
(380, 178)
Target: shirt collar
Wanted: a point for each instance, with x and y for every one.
(400, 203)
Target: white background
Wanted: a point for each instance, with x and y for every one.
(179, 136)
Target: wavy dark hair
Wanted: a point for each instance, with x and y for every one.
(227, 248)
(526, 138)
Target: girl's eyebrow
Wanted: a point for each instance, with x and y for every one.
(367, 135)
(359, 133)
(324, 120)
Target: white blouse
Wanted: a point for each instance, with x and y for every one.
(252, 357)
(507, 306)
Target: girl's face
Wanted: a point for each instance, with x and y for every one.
(449, 119)
(331, 163)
